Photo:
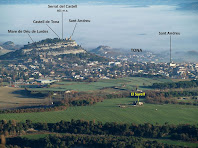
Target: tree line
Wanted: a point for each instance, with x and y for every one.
(70, 99)
(181, 84)
(176, 132)
(148, 75)
(157, 97)
(66, 141)
(36, 109)
(84, 99)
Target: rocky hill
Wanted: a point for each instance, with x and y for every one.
(102, 49)
(3, 51)
(47, 47)
(106, 51)
(9, 45)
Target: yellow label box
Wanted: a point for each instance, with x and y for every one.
(135, 94)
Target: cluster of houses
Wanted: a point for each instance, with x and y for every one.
(30, 71)
(51, 68)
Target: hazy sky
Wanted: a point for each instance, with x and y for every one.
(118, 26)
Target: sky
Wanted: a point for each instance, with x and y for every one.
(119, 25)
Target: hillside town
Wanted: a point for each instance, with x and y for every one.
(76, 64)
(30, 71)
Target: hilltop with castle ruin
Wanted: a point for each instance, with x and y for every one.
(53, 47)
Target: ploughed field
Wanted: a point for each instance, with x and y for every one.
(108, 111)
(14, 98)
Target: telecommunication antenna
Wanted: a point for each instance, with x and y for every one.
(170, 50)
(62, 25)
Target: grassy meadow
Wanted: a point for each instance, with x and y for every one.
(129, 82)
(108, 111)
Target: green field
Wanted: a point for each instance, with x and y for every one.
(129, 82)
(108, 111)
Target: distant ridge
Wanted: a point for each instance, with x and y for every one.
(102, 49)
